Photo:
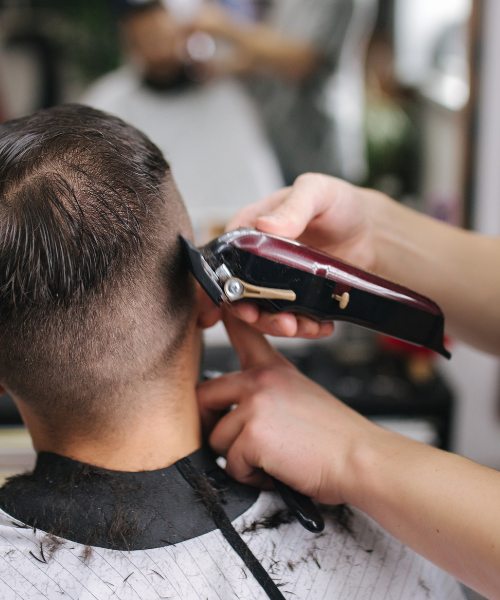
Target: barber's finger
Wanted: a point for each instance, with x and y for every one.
(312, 330)
(216, 396)
(241, 467)
(209, 419)
(246, 311)
(228, 429)
(221, 393)
(282, 324)
(310, 196)
(246, 457)
(325, 329)
(252, 347)
(247, 216)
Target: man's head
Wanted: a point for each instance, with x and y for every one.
(155, 40)
(94, 298)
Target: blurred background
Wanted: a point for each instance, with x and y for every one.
(244, 95)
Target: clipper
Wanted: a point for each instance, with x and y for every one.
(282, 275)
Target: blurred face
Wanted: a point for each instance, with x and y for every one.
(155, 40)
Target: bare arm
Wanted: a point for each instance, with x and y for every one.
(156, 39)
(443, 506)
(259, 47)
(458, 269)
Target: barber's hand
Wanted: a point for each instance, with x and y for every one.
(284, 425)
(214, 20)
(324, 212)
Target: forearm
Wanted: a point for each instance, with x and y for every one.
(270, 50)
(260, 48)
(458, 269)
(443, 506)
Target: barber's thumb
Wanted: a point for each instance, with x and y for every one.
(287, 220)
(277, 223)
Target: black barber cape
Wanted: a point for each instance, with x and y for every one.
(71, 530)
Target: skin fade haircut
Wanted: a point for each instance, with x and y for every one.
(94, 296)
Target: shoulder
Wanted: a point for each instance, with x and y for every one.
(352, 557)
(108, 92)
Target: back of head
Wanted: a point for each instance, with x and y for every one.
(94, 299)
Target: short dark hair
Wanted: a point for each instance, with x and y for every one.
(93, 293)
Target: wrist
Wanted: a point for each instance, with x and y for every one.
(383, 218)
(371, 467)
(350, 458)
(404, 241)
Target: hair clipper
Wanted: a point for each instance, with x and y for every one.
(282, 275)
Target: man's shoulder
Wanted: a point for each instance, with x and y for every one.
(352, 558)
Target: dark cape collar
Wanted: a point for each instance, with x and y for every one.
(120, 510)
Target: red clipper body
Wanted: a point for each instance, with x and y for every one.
(283, 275)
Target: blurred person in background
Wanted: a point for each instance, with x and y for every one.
(303, 63)
(306, 66)
(208, 127)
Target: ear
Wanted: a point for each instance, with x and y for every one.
(2, 390)
(208, 312)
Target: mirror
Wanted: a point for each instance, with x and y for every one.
(385, 103)
(244, 95)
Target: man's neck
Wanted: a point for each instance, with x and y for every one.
(163, 427)
(149, 440)
(159, 439)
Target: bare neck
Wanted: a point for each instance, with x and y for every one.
(166, 430)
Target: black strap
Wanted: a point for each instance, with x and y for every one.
(208, 494)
